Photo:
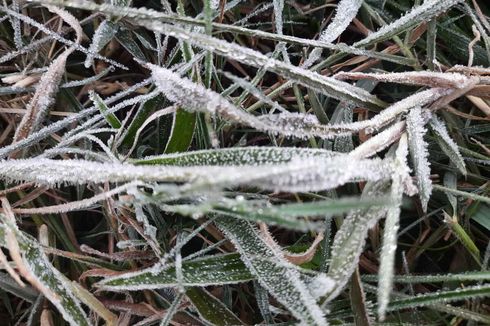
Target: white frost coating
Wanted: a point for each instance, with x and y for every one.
(43, 98)
(54, 284)
(417, 15)
(320, 285)
(195, 97)
(424, 78)
(252, 89)
(58, 37)
(297, 175)
(379, 142)
(345, 13)
(251, 155)
(447, 143)
(16, 26)
(388, 249)
(349, 241)
(280, 278)
(54, 127)
(419, 154)
(103, 35)
(307, 125)
(325, 85)
(278, 8)
(70, 20)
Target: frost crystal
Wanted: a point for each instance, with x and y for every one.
(279, 277)
(388, 250)
(43, 98)
(418, 14)
(419, 154)
(310, 174)
(447, 143)
(345, 13)
(103, 35)
(424, 78)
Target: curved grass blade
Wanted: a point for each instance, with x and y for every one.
(274, 273)
(182, 132)
(417, 15)
(345, 13)
(349, 240)
(236, 156)
(205, 271)
(388, 249)
(447, 144)
(100, 104)
(42, 274)
(419, 154)
(422, 300)
(211, 309)
(145, 109)
(103, 35)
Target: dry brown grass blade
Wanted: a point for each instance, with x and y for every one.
(422, 78)
(9, 269)
(14, 250)
(294, 258)
(47, 87)
(43, 98)
(480, 104)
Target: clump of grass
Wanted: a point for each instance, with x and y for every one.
(240, 162)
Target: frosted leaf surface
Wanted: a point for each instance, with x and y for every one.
(43, 98)
(278, 8)
(326, 85)
(298, 123)
(447, 143)
(205, 271)
(194, 97)
(379, 142)
(388, 249)
(419, 154)
(297, 175)
(349, 240)
(344, 14)
(103, 35)
(423, 78)
(421, 13)
(280, 278)
(54, 285)
(251, 155)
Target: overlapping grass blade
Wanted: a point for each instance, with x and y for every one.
(273, 272)
(43, 275)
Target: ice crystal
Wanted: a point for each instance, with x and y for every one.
(447, 143)
(280, 278)
(103, 35)
(419, 154)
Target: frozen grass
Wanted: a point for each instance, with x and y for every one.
(244, 162)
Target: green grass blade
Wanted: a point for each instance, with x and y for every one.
(183, 126)
(471, 292)
(274, 273)
(196, 272)
(110, 117)
(57, 289)
(408, 279)
(211, 309)
(417, 15)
